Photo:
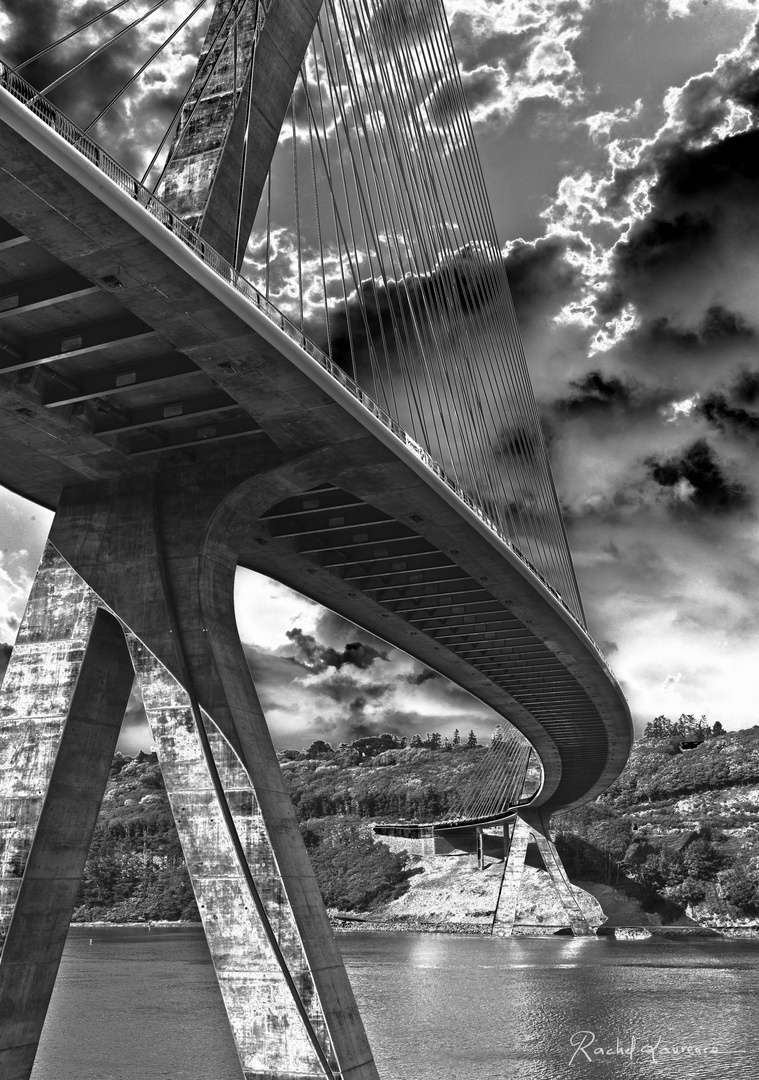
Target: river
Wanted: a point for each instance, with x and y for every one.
(139, 1004)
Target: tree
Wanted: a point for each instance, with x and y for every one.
(471, 741)
(456, 741)
(318, 749)
(416, 742)
(661, 727)
(740, 889)
(717, 728)
(702, 859)
(354, 872)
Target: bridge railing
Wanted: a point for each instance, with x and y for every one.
(63, 126)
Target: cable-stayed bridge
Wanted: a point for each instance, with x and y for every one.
(355, 421)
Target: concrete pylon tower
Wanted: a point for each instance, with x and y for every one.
(228, 131)
(137, 580)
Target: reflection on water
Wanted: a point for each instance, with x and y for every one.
(136, 1004)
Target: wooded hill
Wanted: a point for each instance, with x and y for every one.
(679, 827)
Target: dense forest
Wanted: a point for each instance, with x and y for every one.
(680, 826)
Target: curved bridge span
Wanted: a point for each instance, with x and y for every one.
(355, 515)
(180, 427)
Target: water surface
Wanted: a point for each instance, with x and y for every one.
(133, 1004)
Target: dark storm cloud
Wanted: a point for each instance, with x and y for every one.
(318, 657)
(746, 89)
(691, 357)
(481, 87)
(343, 688)
(655, 246)
(596, 391)
(745, 388)
(383, 311)
(700, 480)
(717, 327)
(520, 443)
(726, 409)
(729, 165)
(540, 275)
(727, 418)
(696, 195)
(33, 24)
(37, 25)
(444, 105)
(421, 677)
(5, 655)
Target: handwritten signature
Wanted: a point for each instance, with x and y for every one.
(586, 1048)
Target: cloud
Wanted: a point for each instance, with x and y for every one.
(542, 275)
(727, 409)
(339, 683)
(135, 732)
(133, 128)
(318, 657)
(511, 55)
(681, 8)
(597, 391)
(5, 655)
(696, 478)
(641, 327)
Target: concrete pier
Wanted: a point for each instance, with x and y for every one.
(136, 578)
(52, 786)
(517, 836)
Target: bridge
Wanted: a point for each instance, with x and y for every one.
(386, 462)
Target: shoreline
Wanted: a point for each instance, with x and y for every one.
(361, 924)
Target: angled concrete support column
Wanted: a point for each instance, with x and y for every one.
(539, 824)
(511, 881)
(63, 702)
(522, 832)
(560, 881)
(210, 178)
(162, 559)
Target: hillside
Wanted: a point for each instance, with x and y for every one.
(679, 830)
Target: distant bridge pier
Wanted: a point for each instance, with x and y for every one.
(526, 828)
(138, 579)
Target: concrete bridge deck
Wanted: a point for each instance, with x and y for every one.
(123, 354)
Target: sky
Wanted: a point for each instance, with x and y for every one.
(620, 148)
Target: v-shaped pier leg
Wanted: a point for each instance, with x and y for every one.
(515, 851)
(511, 881)
(63, 701)
(560, 881)
(164, 580)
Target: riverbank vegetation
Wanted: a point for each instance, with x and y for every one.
(679, 828)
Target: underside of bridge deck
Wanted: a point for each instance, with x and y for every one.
(123, 355)
(179, 430)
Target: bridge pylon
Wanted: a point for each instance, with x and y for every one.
(137, 581)
(523, 829)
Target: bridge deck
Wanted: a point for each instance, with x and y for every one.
(122, 353)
